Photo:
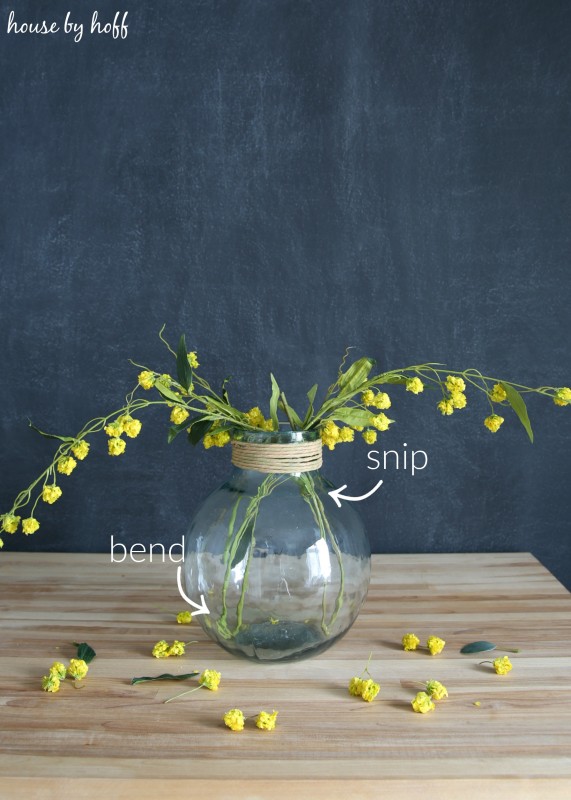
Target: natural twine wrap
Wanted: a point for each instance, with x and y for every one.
(281, 458)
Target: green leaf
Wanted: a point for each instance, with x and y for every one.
(168, 393)
(183, 370)
(274, 402)
(199, 429)
(311, 397)
(517, 402)
(174, 430)
(356, 375)
(50, 435)
(478, 647)
(394, 379)
(165, 677)
(351, 416)
(85, 652)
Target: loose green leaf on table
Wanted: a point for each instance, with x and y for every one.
(85, 652)
(164, 677)
(478, 647)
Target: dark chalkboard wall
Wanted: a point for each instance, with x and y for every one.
(280, 180)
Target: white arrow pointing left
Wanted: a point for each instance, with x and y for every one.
(200, 609)
(337, 496)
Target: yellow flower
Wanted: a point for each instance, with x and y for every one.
(458, 400)
(116, 446)
(369, 690)
(234, 719)
(51, 493)
(30, 525)
(50, 683)
(370, 436)
(346, 434)
(146, 379)
(179, 415)
(356, 686)
(454, 384)
(445, 407)
(330, 434)
(436, 690)
(435, 645)
(266, 721)
(381, 422)
(410, 641)
(66, 465)
(161, 649)
(77, 669)
(114, 429)
(176, 648)
(498, 393)
(422, 703)
(80, 449)
(184, 618)
(382, 401)
(10, 523)
(562, 396)
(493, 422)
(502, 665)
(211, 679)
(368, 398)
(132, 427)
(58, 670)
(414, 385)
(193, 360)
(216, 439)
(254, 417)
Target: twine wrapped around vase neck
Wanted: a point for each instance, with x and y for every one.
(280, 458)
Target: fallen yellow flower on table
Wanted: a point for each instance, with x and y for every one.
(436, 690)
(50, 683)
(77, 669)
(502, 665)
(410, 641)
(266, 721)
(422, 703)
(435, 645)
(234, 719)
(184, 618)
(210, 679)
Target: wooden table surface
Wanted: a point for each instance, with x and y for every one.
(120, 741)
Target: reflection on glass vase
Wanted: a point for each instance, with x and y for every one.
(283, 570)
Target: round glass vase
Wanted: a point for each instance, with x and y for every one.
(283, 570)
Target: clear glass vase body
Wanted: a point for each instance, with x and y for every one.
(283, 570)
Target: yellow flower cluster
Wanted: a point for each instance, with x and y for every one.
(493, 423)
(410, 641)
(66, 465)
(436, 690)
(178, 415)
(146, 379)
(381, 400)
(193, 360)
(365, 688)
(502, 665)
(210, 679)
(131, 427)
(51, 493)
(116, 446)
(414, 385)
(562, 396)
(434, 644)
(77, 669)
(125, 424)
(234, 719)
(10, 523)
(498, 393)
(332, 435)
(456, 399)
(80, 449)
(422, 703)
(184, 618)
(216, 439)
(381, 422)
(266, 721)
(30, 525)
(370, 436)
(256, 419)
(162, 649)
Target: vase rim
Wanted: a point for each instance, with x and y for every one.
(275, 437)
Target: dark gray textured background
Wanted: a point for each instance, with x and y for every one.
(280, 180)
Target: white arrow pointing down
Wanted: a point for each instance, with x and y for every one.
(337, 496)
(200, 609)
